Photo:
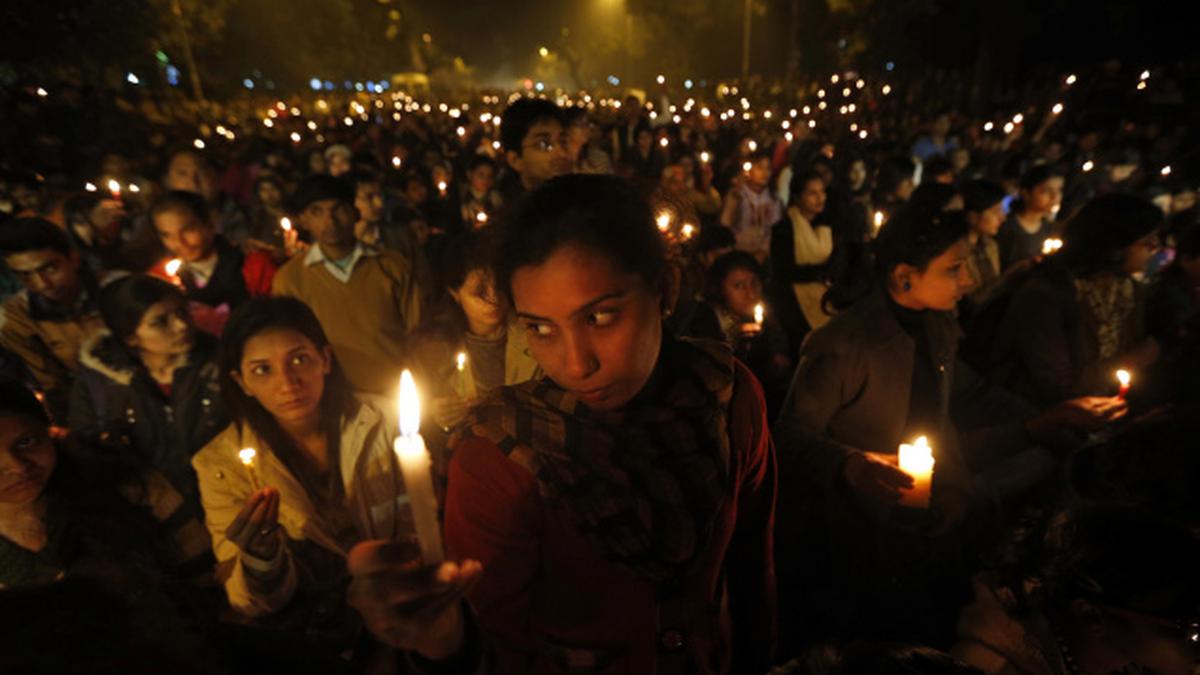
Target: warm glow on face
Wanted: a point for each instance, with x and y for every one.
(409, 405)
(247, 456)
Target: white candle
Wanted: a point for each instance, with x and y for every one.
(247, 456)
(416, 465)
(916, 460)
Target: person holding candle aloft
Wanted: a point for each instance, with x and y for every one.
(629, 571)
(1081, 313)
(882, 373)
(326, 461)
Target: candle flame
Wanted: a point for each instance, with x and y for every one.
(758, 313)
(247, 456)
(917, 457)
(481, 217)
(704, 157)
(1124, 377)
(286, 224)
(441, 186)
(396, 162)
(688, 230)
(460, 361)
(114, 187)
(1051, 245)
(664, 221)
(409, 405)
(878, 219)
(173, 266)
(746, 166)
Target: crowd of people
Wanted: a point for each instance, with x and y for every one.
(845, 381)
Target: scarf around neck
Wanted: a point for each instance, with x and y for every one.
(644, 484)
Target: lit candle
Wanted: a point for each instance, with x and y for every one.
(878, 221)
(441, 186)
(396, 161)
(916, 460)
(481, 218)
(746, 166)
(688, 230)
(415, 464)
(172, 269)
(1051, 245)
(705, 157)
(114, 188)
(664, 221)
(1125, 380)
(247, 455)
(758, 314)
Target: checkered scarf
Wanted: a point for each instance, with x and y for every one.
(644, 484)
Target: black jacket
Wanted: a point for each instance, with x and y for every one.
(117, 403)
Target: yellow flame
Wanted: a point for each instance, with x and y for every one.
(409, 405)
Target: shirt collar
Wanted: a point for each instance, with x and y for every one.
(316, 255)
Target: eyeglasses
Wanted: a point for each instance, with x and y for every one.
(547, 145)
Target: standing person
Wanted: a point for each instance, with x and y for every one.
(535, 145)
(150, 383)
(663, 564)
(49, 320)
(883, 372)
(983, 202)
(751, 208)
(477, 326)
(215, 275)
(938, 141)
(481, 202)
(800, 253)
(583, 142)
(1032, 219)
(733, 295)
(325, 478)
(1081, 314)
(367, 298)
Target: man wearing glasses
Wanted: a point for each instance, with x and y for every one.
(535, 144)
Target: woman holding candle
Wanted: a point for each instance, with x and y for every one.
(1081, 314)
(881, 374)
(325, 458)
(622, 505)
(477, 327)
(734, 313)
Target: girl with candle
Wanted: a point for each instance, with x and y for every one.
(1032, 220)
(662, 563)
(478, 326)
(1081, 313)
(882, 373)
(149, 383)
(331, 480)
(730, 314)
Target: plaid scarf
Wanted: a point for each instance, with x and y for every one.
(644, 484)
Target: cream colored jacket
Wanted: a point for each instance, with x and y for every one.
(374, 489)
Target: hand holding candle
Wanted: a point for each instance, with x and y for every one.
(416, 466)
(916, 460)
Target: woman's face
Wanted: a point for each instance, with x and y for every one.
(940, 285)
(184, 235)
(1139, 254)
(594, 328)
(742, 290)
(285, 372)
(27, 458)
(988, 221)
(477, 297)
(165, 329)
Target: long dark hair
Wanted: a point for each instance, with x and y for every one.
(125, 301)
(337, 401)
(605, 214)
(1096, 238)
(915, 235)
